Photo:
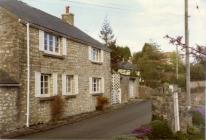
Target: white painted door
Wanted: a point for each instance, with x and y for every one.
(131, 89)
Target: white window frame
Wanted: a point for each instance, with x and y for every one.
(96, 85)
(70, 82)
(74, 83)
(42, 85)
(96, 55)
(51, 43)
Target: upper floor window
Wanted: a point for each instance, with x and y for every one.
(96, 55)
(51, 43)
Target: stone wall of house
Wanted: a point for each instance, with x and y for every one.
(8, 108)
(9, 44)
(75, 63)
(9, 63)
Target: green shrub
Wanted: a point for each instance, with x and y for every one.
(160, 130)
(197, 118)
(195, 133)
(125, 138)
(181, 136)
(193, 130)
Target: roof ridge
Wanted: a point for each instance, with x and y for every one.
(42, 18)
(57, 18)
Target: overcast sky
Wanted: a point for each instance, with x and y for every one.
(134, 22)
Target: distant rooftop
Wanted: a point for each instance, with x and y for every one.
(127, 66)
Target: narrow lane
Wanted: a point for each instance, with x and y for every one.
(119, 122)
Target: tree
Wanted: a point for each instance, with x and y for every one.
(106, 33)
(170, 70)
(199, 68)
(197, 72)
(118, 53)
(151, 64)
(124, 53)
(115, 57)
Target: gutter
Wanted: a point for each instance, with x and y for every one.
(28, 70)
(28, 75)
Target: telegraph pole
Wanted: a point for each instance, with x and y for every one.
(177, 63)
(187, 56)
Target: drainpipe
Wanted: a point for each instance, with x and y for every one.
(28, 76)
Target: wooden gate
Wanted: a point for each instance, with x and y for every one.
(116, 89)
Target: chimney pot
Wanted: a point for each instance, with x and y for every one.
(67, 9)
(68, 17)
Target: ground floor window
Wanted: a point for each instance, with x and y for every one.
(45, 84)
(70, 84)
(96, 85)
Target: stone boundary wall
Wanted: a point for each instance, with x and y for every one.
(195, 84)
(8, 108)
(163, 104)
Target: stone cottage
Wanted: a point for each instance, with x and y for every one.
(125, 83)
(42, 56)
(129, 80)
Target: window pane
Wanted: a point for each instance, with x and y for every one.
(70, 80)
(42, 90)
(46, 91)
(98, 85)
(93, 54)
(56, 44)
(45, 41)
(50, 43)
(68, 84)
(44, 84)
(46, 78)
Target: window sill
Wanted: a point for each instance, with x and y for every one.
(94, 62)
(10, 85)
(70, 96)
(46, 98)
(96, 94)
(53, 55)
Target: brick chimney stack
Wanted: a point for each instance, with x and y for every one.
(68, 17)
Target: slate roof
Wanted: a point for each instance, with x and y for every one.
(127, 66)
(5, 78)
(45, 20)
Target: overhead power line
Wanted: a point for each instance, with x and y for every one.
(104, 6)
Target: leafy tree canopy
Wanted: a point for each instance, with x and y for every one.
(151, 64)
